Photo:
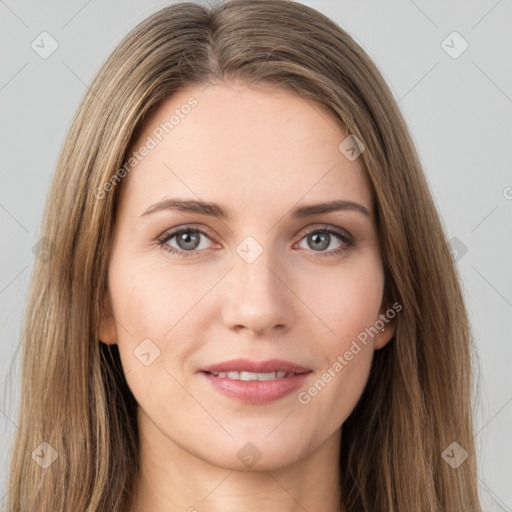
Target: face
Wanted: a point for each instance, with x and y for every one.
(253, 275)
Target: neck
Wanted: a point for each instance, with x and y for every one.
(172, 479)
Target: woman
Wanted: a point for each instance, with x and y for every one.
(251, 301)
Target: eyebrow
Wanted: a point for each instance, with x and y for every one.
(215, 210)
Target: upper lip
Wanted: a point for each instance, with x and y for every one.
(246, 365)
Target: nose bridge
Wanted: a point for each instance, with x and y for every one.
(257, 278)
(257, 298)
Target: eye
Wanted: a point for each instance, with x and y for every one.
(188, 241)
(320, 239)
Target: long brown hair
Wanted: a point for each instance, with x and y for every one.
(418, 400)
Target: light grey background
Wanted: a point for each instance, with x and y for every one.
(458, 109)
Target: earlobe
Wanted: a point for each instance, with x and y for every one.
(388, 328)
(108, 330)
(384, 336)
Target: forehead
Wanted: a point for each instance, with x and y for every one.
(244, 145)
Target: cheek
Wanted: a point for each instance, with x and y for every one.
(345, 300)
(154, 311)
(348, 303)
(155, 297)
(338, 385)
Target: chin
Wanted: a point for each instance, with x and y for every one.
(255, 454)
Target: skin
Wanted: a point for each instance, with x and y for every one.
(258, 152)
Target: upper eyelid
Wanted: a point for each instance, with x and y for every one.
(172, 232)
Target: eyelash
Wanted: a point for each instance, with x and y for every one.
(168, 235)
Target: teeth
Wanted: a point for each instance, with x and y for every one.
(244, 375)
(247, 376)
(267, 376)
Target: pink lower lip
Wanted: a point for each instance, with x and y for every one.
(257, 392)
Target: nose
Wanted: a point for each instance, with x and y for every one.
(257, 297)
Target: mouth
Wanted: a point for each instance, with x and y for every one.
(254, 382)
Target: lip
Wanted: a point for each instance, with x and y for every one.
(246, 365)
(256, 392)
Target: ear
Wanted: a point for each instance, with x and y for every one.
(387, 321)
(108, 329)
